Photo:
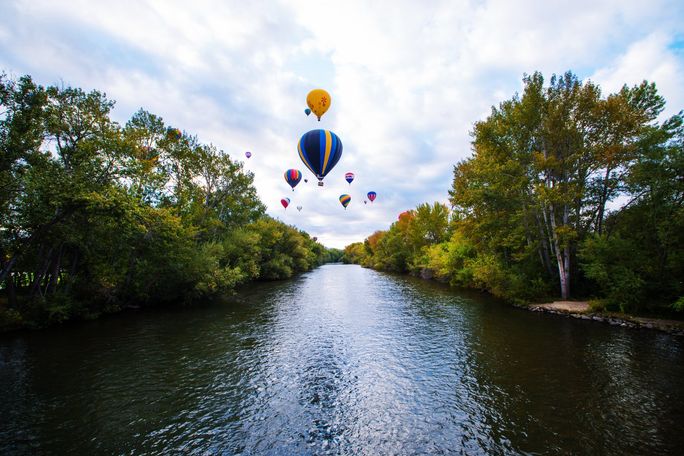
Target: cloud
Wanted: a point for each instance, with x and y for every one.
(651, 58)
(407, 79)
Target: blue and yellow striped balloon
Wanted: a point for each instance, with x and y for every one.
(292, 177)
(345, 200)
(320, 150)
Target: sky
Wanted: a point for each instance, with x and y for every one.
(407, 79)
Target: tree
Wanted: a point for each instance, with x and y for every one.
(545, 166)
(95, 217)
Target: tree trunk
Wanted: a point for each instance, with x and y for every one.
(73, 269)
(54, 271)
(11, 292)
(544, 245)
(561, 260)
(566, 255)
(40, 274)
(602, 203)
(7, 268)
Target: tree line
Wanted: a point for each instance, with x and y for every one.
(95, 216)
(568, 193)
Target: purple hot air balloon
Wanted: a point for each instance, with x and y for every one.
(248, 154)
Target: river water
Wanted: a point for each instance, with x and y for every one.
(342, 360)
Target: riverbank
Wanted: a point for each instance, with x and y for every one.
(582, 310)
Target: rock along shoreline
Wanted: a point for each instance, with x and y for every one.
(582, 311)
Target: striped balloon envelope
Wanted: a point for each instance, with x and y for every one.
(285, 202)
(292, 177)
(372, 196)
(320, 150)
(345, 200)
(174, 133)
(349, 177)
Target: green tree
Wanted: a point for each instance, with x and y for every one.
(95, 217)
(545, 165)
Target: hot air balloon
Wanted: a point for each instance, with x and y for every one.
(371, 196)
(314, 238)
(349, 177)
(285, 202)
(299, 208)
(320, 150)
(306, 181)
(344, 200)
(174, 133)
(365, 202)
(307, 111)
(248, 154)
(318, 101)
(292, 177)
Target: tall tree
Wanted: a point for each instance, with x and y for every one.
(546, 165)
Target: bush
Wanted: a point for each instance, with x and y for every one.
(609, 262)
(10, 319)
(678, 305)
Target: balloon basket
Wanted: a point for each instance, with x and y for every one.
(320, 183)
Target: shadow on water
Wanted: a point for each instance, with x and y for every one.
(342, 360)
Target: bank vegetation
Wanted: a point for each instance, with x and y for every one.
(569, 193)
(96, 216)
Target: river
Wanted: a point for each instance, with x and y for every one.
(342, 360)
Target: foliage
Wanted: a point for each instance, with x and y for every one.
(95, 217)
(536, 213)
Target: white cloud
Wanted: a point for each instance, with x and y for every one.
(652, 59)
(408, 79)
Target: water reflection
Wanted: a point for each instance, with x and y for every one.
(342, 360)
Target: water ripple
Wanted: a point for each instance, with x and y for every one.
(342, 360)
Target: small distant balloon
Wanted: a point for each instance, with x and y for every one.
(306, 181)
(174, 133)
(349, 177)
(307, 111)
(315, 238)
(365, 202)
(285, 202)
(292, 177)
(345, 200)
(318, 101)
(299, 208)
(372, 196)
(248, 154)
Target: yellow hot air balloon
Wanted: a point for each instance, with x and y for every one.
(318, 101)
